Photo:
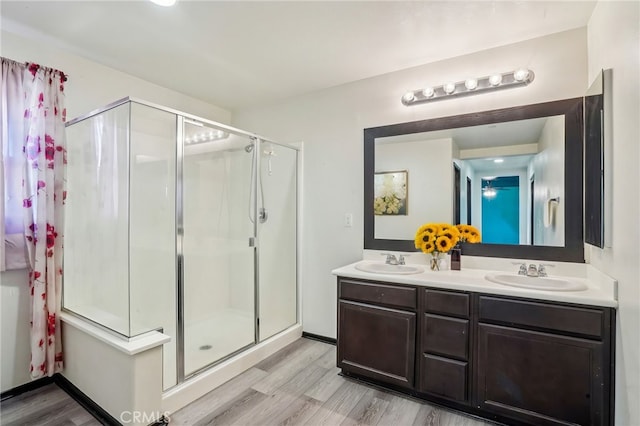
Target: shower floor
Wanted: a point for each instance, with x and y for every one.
(216, 337)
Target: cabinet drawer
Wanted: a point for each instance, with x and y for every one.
(446, 302)
(565, 319)
(443, 377)
(380, 294)
(445, 336)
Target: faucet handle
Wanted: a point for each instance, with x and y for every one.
(401, 258)
(542, 271)
(391, 258)
(523, 268)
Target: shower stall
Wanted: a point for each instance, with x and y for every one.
(179, 224)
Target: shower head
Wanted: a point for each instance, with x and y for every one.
(249, 147)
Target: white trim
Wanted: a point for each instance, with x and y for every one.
(130, 346)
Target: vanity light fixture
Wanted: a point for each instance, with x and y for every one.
(470, 86)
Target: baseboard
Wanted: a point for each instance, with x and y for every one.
(320, 338)
(87, 403)
(27, 387)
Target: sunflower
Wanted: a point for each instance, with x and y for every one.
(444, 244)
(422, 238)
(428, 247)
(474, 236)
(452, 233)
(431, 228)
(469, 233)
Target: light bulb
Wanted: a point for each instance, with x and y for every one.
(408, 97)
(495, 79)
(521, 74)
(449, 88)
(428, 92)
(471, 83)
(489, 193)
(165, 3)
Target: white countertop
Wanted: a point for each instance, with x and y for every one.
(601, 289)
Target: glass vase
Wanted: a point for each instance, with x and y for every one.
(438, 261)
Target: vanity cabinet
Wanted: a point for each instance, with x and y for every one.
(377, 331)
(512, 360)
(543, 363)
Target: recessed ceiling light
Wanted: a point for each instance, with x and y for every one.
(164, 2)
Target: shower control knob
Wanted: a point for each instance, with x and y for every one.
(263, 215)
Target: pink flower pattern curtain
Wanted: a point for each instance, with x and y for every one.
(43, 199)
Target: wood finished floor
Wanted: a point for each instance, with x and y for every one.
(48, 405)
(298, 385)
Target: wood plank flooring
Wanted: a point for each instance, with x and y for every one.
(298, 385)
(45, 406)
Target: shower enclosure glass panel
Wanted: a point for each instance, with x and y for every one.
(218, 261)
(277, 239)
(97, 207)
(152, 227)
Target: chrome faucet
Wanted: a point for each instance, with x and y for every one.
(532, 270)
(391, 259)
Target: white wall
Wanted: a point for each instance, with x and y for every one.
(430, 184)
(331, 124)
(90, 86)
(614, 42)
(14, 329)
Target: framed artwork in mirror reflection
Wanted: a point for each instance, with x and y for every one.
(390, 192)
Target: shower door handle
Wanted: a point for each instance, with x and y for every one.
(252, 242)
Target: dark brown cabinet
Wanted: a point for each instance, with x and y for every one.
(444, 345)
(508, 359)
(376, 340)
(543, 363)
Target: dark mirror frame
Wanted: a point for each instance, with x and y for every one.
(573, 250)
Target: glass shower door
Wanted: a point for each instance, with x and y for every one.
(218, 261)
(277, 233)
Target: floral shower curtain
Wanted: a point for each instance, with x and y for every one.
(44, 195)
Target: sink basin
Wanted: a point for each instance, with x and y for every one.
(383, 268)
(536, 283)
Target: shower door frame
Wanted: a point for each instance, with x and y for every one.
(253, 241)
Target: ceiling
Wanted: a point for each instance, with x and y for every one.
(518, 132)
(236, 54)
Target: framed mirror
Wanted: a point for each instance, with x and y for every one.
(523, 162)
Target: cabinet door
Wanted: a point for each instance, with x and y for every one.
(540, 378)
(377, 342)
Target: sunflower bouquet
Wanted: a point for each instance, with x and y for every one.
(440, 238)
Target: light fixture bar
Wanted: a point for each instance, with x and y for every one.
(471, 86)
